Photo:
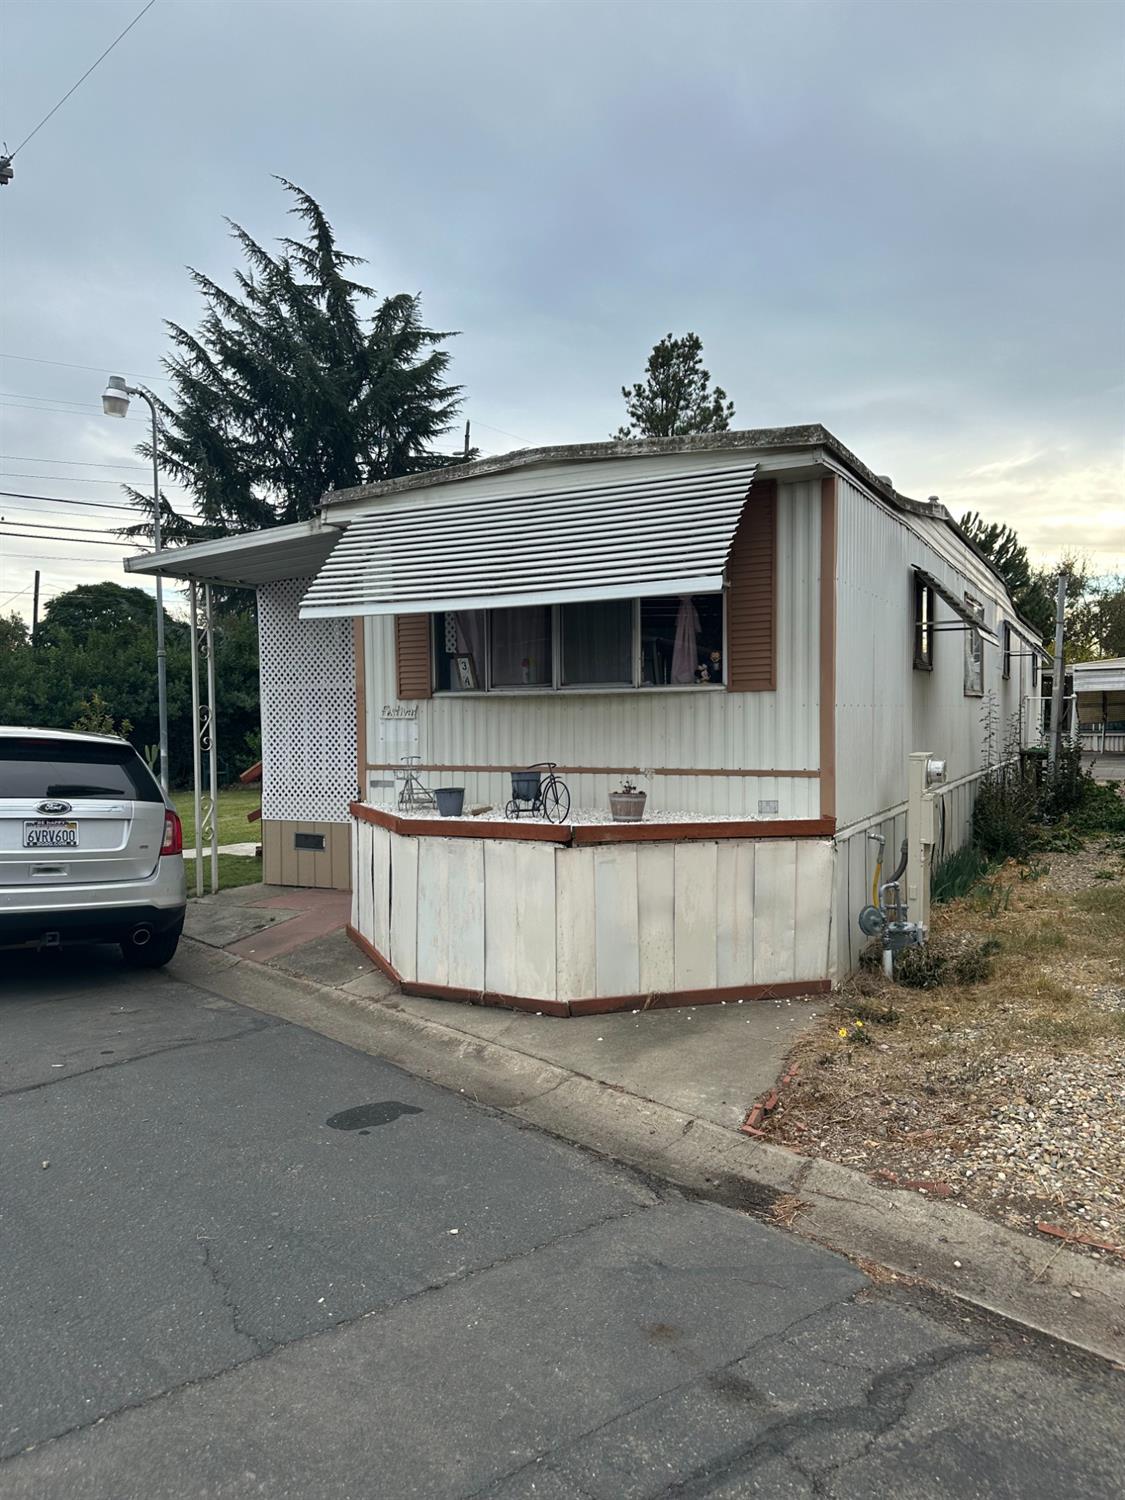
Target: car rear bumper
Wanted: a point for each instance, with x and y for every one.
(110, 924)
(95, 913)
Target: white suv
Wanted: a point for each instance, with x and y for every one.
(90, 851)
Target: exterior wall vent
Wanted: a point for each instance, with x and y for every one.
(309, 841)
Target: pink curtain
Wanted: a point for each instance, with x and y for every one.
(685, 651)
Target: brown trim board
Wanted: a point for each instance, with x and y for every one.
(386, 765)
(595, 1005)
(828, 526)
(578, 835)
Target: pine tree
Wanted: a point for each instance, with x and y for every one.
(674, 398)
(1032, 589)
(296, 383)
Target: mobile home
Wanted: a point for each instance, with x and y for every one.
(753, 628)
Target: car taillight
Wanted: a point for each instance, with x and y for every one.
(173, 834)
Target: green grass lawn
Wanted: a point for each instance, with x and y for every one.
(234, 869)
(234, 803)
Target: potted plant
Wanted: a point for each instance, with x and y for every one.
(627, 804)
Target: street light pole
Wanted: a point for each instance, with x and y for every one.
(115, 403)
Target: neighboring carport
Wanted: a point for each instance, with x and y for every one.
(1099, 692)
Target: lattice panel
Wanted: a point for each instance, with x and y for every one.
(308, 709)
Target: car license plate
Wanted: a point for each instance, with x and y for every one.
(50, 833)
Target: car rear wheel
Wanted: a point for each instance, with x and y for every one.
(151, 955)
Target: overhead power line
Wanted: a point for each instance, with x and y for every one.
(36, 510)
(76, 463)
(64, 500)
(71, 539)
(63, 411)
(62, 364)
(82, 80)
(503, 430)
(63, 400)
(52, 557)
(60, 478)
(129, 510)
(90, 531)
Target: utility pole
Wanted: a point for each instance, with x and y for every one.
(466, 441)
(35, 609)
(1054, 745)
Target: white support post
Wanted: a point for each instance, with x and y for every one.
(213, 748)
(921, 836)
(196, 748)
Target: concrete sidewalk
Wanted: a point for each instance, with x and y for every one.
(710, 1061)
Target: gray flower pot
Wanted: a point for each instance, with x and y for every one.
(525, 785)
(450, 800)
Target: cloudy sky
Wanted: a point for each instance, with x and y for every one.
(905, 221)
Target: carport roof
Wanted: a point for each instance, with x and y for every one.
(255, 557)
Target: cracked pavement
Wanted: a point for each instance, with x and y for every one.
(209, 1292)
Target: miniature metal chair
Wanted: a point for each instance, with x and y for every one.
(413, 794)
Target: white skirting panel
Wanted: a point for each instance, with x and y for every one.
(536, 921)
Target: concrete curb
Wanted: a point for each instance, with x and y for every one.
(1043, 1286)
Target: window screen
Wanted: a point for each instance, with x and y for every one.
(974, 651)
(682, 640)
(923, 626)
(521, 647)
(597, 642)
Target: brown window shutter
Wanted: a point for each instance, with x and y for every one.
(752, 596)
(412, 656)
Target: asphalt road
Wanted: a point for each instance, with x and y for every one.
(238, 1259)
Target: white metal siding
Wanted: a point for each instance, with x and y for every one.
(307, 674)
(691, 727)
(886, 709)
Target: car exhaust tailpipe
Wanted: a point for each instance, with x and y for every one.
(140, 936)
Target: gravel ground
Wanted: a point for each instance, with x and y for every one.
(1009, 1096)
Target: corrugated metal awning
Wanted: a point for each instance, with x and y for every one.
(958, 606)
(246, 560)
(623, 540)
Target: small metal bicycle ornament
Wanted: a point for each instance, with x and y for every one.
(535, 795)
(413, 794)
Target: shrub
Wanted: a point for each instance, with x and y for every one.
(927, 968)
(957, 875)
(921, 968)
(1101, 809)
(1065, 788)
(1004, 814)
(974, 965)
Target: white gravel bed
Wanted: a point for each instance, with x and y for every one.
(587, 815)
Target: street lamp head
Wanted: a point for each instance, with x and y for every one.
(115, 397)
